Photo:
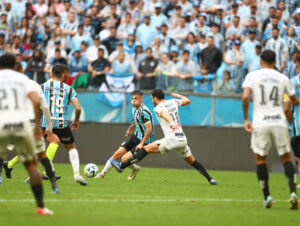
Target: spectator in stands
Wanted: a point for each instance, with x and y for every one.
(218, 37)
(157, 49)
(35, 67)
(98, 69)
(166, 41)
(254, 60)
(23, 27)
(29, 49)
(174, 15)
(146, 33)
(234, 59)
(92, 51)
(211, 57)
(279, 46)
(129, 45)
(111, 42)
(185, 70)
(69, 28)
(56, 59)
(139, 55)
(126, 28)
(292, 41)
(180, 33)
(58, 35)
(290, 69)
(235, 30)
(192, 47)
(226, 86)
(158, 18)
(115, 54)
(165, 71)
(51, 52)
(145, 76)
(88, 29)
(204, 81)
(40, 8)
(79, 37)
(78, 65)
(122, 66)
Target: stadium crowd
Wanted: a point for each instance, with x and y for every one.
(179, 45)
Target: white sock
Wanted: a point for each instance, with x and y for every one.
(108, 166)
(74, 159)
(133, 166)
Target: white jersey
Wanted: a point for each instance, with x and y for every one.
(171, 106)
(14, 90)
(268, 87)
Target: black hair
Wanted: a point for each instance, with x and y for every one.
(186, 52)
(57, 50)
(275, 28)
(159, 94)
(268, 56)
(59, 69)
(137, 92)
(7, 61)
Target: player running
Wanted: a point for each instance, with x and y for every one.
(293, 116)
(40, 144)
(15, 89)
(139, 133)
(58, 96)
(269, 122)
(175, 140)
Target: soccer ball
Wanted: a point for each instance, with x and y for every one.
(90, 170)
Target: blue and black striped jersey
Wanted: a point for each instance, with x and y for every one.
(141, 116)
(58, 96)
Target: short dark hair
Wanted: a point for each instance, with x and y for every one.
(57, 50)
(159, 94)
(298, 59)
(268, 56)
(275, 28)
(137, 92)
(186, 52)
(59, 69)
(7, 61)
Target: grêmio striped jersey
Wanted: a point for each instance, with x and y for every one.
(58, 96)
(141, 116)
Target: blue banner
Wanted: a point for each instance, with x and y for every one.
(228, 112)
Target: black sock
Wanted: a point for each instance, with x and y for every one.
(38, 194)
(198, 166)
(49, 169)
(289, 171)
(263, 178)
(138, 156)
(1, 164)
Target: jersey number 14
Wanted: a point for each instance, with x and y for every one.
(273, 96)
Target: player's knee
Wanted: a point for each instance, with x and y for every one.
(42, 155)
(260, 159)
(287, 157)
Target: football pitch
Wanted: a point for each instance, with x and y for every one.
(156, 197)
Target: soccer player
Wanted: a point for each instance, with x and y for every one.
(58, 96)
(40, 144)
(269, 122)
(139, 133)
(175, 140)
(15, 89)
(293, 116)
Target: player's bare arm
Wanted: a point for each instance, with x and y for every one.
(166, 116)
(294, 100)
(130, 129)
(47, 114)
(146, 136)
(287, 110)
(33, 96)
(184, 99)
(246, 101)
(75, 123)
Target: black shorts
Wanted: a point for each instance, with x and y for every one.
(295, 143)
(131, 143)
(65, 135)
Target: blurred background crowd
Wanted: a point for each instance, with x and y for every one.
(177, 45)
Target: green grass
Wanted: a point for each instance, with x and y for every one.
(156, 197)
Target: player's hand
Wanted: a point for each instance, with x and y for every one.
(37, 132)
(128, 133)
(248, 126)
(139, 147)
(174, 126)
(74, 125)
(48, 133)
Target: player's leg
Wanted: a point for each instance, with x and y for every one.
(135, 169)
(74, 159)
(54, 143)
(281, 140)
(1, 164)
(190, 159)
(261, 143)
(295, 143)
(49, 170)
(8, 166)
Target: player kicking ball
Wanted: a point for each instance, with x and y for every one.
(140, 133)
(175, 140)
(58, 96)
(269, 122)
(15, 89)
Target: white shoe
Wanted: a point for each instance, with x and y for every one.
(134, 172)
(100, 175)
(298, 186)
(81, 181)
(44, 211)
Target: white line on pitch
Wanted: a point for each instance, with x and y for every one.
(140, 200)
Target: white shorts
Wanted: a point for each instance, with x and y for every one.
(262, 139)
(22, 139)
(173, 144)
(40, 145)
